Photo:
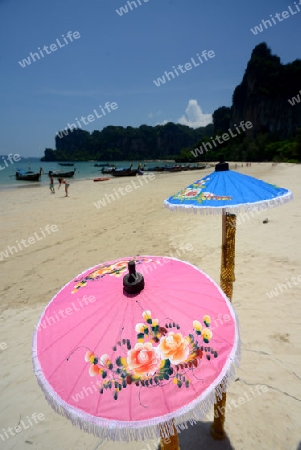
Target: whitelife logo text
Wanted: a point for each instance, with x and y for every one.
(90, 118)
(53, 48)
(22, 425)
(294, 100)
(188, 66)
(75, 306)
(3, 346)
(124, 9)
(123, 191)
(285, 15)
(26, 242)
(286, 286)
(225, 137)
(9, 157)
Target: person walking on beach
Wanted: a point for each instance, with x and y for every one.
(62, 181)
(51, 185)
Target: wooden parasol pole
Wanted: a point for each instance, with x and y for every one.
(226, 282)
(171, 442)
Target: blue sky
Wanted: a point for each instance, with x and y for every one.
(116, 58)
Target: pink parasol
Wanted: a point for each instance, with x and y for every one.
(129, 358)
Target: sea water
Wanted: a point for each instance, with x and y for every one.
(84, 170)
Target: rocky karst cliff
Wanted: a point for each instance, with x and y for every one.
(262, 97)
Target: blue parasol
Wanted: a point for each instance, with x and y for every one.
(227, 192)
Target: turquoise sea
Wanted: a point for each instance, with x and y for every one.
(84, 170)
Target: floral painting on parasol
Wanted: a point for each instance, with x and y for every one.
(225, 190)
(132, 365)
(148, 364)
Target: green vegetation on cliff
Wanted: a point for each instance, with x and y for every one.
(117, 143)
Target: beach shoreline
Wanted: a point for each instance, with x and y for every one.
(95, 173)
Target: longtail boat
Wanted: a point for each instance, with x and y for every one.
(60, 174)
(28, 176)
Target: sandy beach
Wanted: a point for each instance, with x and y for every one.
(56, 238)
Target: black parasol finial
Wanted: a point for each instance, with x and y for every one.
(222, 166)
(133, 282)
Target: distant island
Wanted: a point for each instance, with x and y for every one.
(115, 143)
(268, 98)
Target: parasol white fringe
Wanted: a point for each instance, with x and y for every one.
(234, 209)
(154, 428)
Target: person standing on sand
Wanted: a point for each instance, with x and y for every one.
(62, 181)
(51, 185)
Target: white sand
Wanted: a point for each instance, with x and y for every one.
(138, 223)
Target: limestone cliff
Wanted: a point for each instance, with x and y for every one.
(262, 97)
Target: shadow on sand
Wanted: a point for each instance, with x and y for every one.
(198, 436)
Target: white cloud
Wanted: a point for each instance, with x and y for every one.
(164, 122)
(194, 116)
(157, 113)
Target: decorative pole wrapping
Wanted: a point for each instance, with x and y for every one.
(226, 282)
(228, 254)
(171, 442)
